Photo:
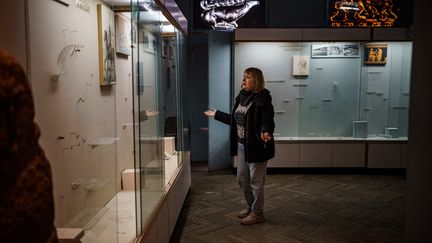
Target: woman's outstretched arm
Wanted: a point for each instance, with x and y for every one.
(218, 115)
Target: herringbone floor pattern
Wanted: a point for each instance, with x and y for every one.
(299, 207)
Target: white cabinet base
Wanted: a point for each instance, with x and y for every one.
(286, 155)
(349, 155)
(337, 154)
(316, 155)
(384, 155)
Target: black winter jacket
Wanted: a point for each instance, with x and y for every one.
(259, 118)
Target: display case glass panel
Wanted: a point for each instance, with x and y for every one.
(333, 89)
(158, 50)
(113, 149)
(77, 117)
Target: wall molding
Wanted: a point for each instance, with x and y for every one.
(323, 34)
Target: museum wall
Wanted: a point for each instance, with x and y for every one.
(198, 86)
(219, 91)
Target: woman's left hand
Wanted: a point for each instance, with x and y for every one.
(265, 136)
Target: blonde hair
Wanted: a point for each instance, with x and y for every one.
(258, 77)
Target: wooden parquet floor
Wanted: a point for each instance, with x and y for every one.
(305, 207)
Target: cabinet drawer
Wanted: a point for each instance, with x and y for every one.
(316, 155)
(349, 155)
(384, 155)
(286, 155)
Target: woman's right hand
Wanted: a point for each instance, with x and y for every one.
(210, 112)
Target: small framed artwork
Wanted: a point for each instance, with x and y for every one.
(83, 5)
(123, 36)
(143, 37)
(106, 41)
(300, 65)
(146, 39)
(319, 50)
(375, 54)
(330, 50)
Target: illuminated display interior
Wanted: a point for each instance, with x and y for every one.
(362, 13)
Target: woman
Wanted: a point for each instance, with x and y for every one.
(251, 139)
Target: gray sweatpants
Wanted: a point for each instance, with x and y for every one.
(251, 177)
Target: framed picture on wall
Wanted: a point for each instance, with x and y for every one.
(106, 41)
(375, 54)
(123, 35)
(330, 50)
(300, 65)
(147, 41)
(143, 37)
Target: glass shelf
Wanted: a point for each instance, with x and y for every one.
(102, 141)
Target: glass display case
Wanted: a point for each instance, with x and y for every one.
(115, 147)
(158, 58)
(333, 90)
